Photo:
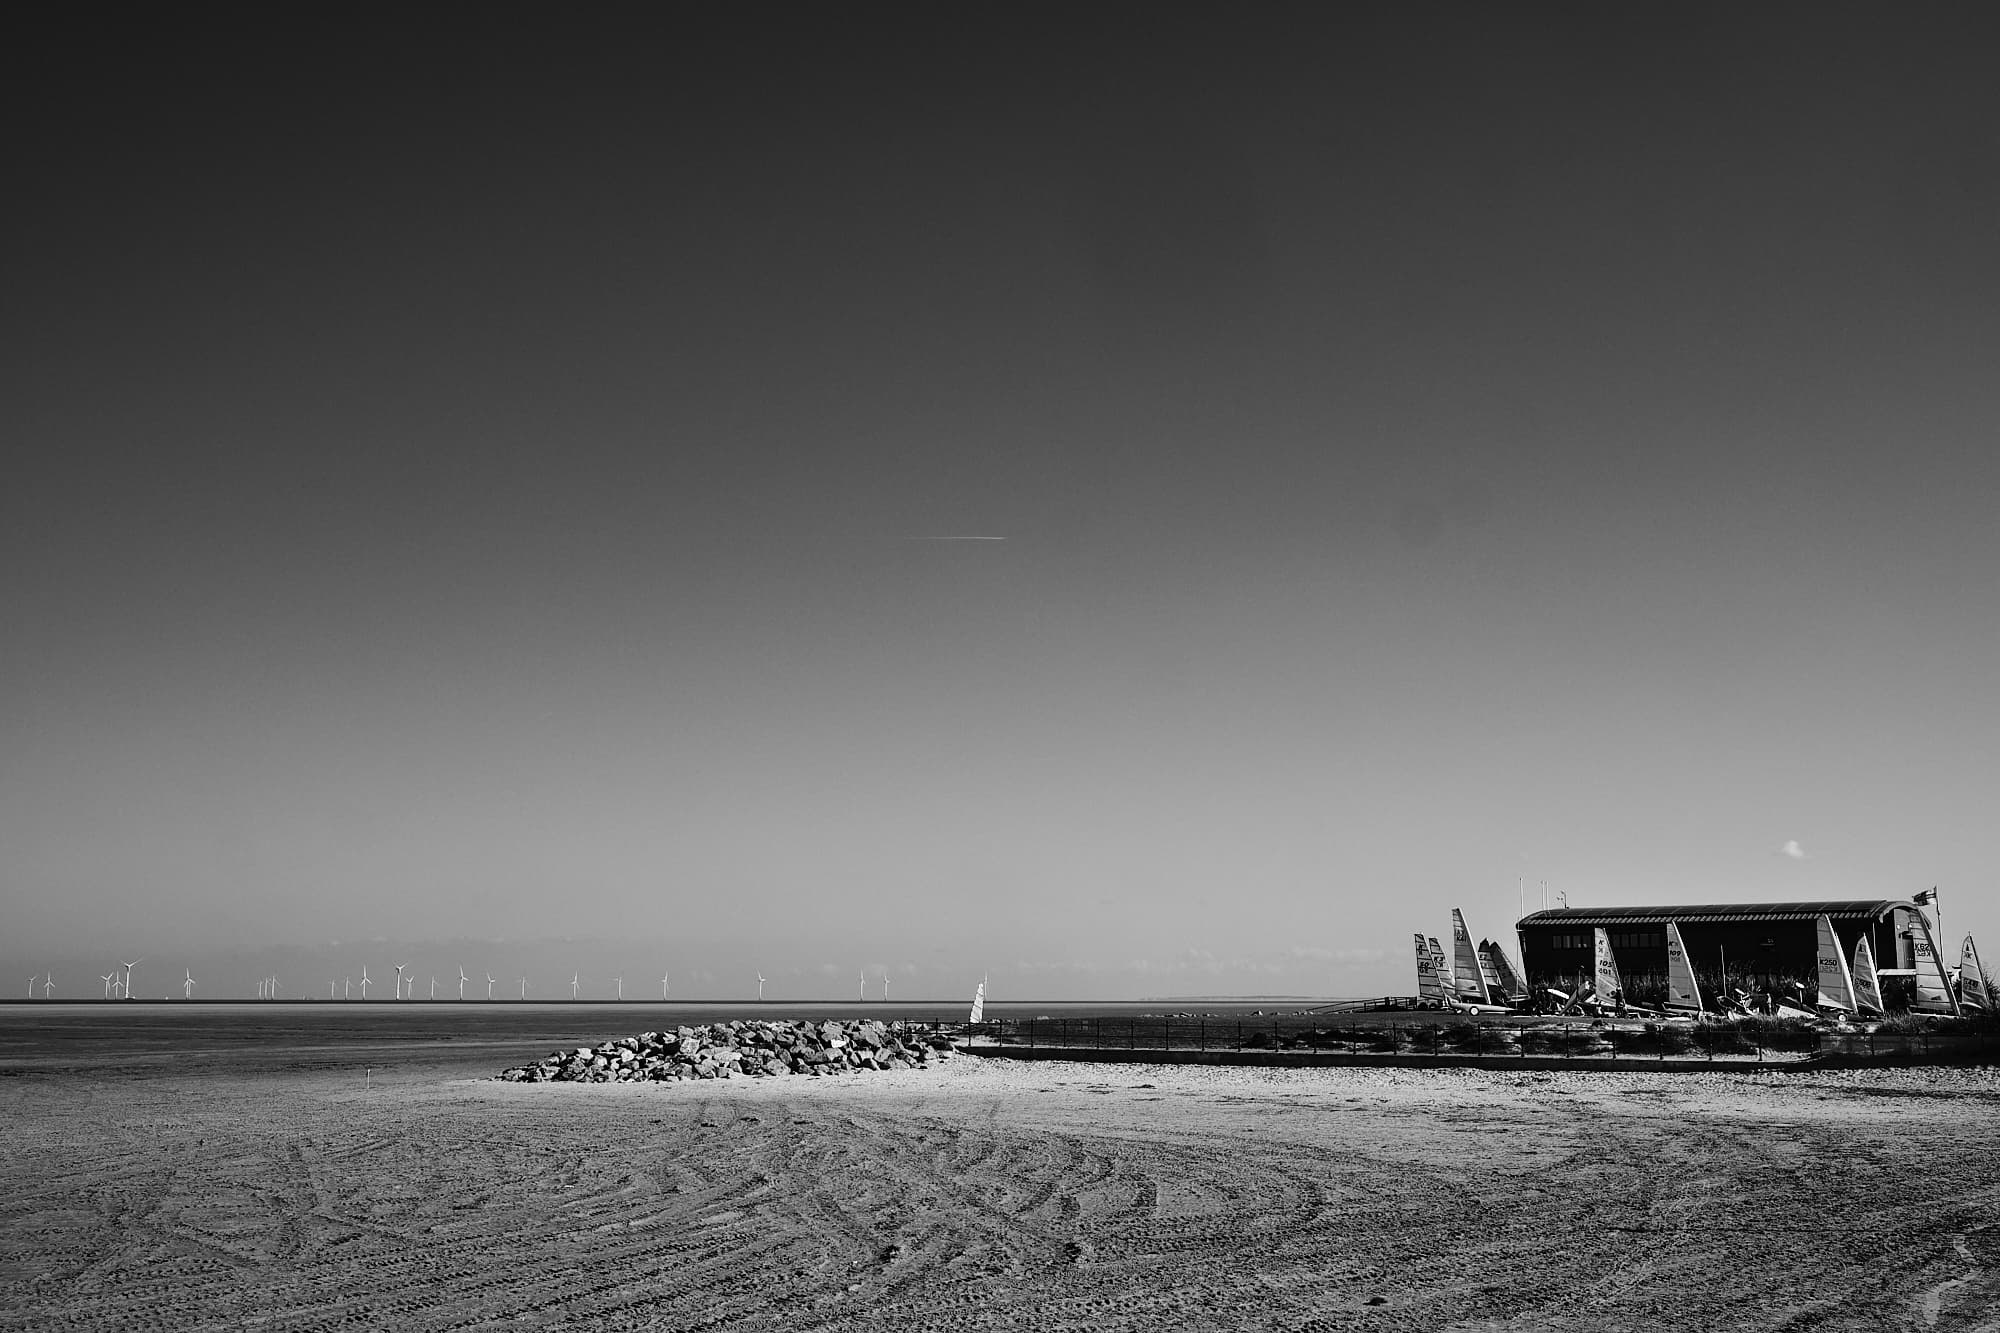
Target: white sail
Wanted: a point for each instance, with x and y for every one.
(1683, 991)
(1934, 994)
(1975, 988)
(1836, 986)
(1610, 989)
(978, 1003)
(1506, 977)
(1443, 967)
(1489, 972)
(1430, 986)
(1867, 986)
(1468, 983)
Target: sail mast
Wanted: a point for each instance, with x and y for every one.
(1609, 988)
(1867, 986)
(1683, 992)
(1443, 967)
(1934, 993)
(1468, 982)
(1836, 985)
(1975, 988)
(1430, 986)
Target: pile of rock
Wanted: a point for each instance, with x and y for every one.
(727, 1050)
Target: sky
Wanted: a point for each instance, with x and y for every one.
(485, 486)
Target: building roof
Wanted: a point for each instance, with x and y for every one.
(1872, 909)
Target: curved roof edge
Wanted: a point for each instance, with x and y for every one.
(1867, 909)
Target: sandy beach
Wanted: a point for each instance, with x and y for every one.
(226, 1192)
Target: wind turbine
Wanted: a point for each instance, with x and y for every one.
(106, 979)
(573, 978)
(524, 988)
(663, 984)
(364, 981)
(434, 988)
(864, 984)
(31, 988)
(489, 985)
(274, 985)
(331, 986)
(621, 986)
(49, 986)
(347, 988)
(760, 988)
(462, 979)
(187, 987)
(128, 973)
(885, 985)
(399, 979)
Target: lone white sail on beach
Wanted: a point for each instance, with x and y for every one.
(1867, 986)
(1610, 989)
(978, 1003)
(1975, 988)
(1430, 985)
(1683, 991)
(1467, 981)
(1836, 986)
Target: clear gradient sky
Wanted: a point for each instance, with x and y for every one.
(473, 477)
